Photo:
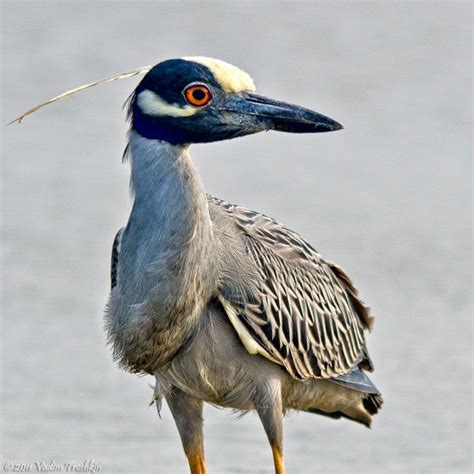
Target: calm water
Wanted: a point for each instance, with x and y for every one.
(388, 199)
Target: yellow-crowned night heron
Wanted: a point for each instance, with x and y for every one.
(219, 303)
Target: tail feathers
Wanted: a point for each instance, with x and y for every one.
(357, 380)
(361, 412)
(373, 403)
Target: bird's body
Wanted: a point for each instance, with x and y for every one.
(220, 303)
(171, 315)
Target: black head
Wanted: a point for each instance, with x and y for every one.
(196, 100)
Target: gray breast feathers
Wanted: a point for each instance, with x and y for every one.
(305, 313)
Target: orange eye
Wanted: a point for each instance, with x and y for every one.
(197, 95)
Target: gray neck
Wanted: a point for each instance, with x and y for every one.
(166, 261)
(168, 239)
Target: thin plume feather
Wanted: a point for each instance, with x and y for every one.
(117, 77)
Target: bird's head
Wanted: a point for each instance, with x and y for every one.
(197, 100)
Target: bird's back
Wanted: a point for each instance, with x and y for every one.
(300, 310)
(231, 365)
(265, 323)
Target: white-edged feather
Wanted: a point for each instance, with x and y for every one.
(116, 77)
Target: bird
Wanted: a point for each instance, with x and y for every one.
(219, 303)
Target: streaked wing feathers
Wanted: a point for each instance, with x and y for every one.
(114, 258)
(308, 316)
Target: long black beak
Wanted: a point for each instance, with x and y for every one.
(256, 112)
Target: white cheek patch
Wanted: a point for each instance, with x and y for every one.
(151, 103)
(231, 78)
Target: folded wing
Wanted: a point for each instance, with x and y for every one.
(306, 314)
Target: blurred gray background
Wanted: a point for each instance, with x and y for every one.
(388, 199)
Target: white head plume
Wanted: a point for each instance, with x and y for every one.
(117, 77)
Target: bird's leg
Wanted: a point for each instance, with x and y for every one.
(187, 414)
(269, 408)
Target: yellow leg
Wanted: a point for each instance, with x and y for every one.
(268, 403)
(187, 413)
(278, 460)
(197, 463)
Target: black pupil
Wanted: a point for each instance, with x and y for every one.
(199, 94)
